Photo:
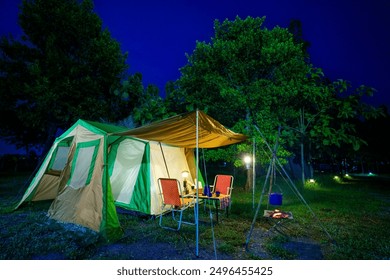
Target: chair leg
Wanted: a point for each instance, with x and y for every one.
(173, 216)
(229, 207)
(178, 220)
(160, 222)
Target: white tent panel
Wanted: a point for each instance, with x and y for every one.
(165, 162)
(61, 158)
(126, 168)
(83, 168)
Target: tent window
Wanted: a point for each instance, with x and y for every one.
(83, 164)
(59, 159)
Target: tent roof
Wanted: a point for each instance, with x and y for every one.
(180, 131)
(108, 128)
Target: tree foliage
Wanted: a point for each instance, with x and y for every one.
(63, 68)
(259, 81)
(246, 75)
(146, 104)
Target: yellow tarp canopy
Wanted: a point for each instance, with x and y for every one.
(180, 131)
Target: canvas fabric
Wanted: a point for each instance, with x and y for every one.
(80, 199)
(80, 192)
(180, 131)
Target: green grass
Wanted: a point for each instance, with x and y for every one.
(355, 212)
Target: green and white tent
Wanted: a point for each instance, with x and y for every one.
(89, 170)
(93, 167)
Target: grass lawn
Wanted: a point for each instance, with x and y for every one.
(344, 219)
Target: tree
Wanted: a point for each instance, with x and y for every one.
(329, 114)
(65, 67)
(246, 75)
(145, 104)
(255, 79)
(375, 156)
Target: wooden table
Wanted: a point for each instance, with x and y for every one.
(218, 199)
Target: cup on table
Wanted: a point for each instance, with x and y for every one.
(217, 193)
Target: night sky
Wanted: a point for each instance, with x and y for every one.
(349, 39)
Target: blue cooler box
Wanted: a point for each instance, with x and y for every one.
(275, 199)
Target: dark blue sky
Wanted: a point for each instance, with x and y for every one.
(349, 39)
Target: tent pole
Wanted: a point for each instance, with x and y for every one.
(197, 183)
(253, 173)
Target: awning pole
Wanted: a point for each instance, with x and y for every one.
(253, 172)
(197, 183)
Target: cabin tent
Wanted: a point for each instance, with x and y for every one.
(88, 171)
(93, 167)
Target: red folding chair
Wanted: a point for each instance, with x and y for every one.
(224, 185)
(174, 202)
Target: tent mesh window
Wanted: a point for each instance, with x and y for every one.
(83, 164)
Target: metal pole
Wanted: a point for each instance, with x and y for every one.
(253, 173)
(197, 183)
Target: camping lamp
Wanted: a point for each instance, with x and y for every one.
(185, 174)
(247, 160)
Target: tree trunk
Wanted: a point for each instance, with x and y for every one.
(302, 132)
(303, 164)
(310, 165)
(249, 173)
(249, 180)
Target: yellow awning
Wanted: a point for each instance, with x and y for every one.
(180, 131)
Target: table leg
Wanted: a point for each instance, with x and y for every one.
(227, 211)
(216, 207)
